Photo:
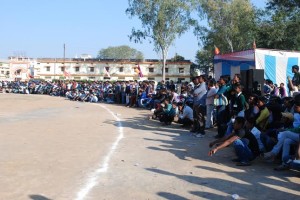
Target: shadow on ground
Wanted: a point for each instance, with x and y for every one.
(256, 181)
(38, 197)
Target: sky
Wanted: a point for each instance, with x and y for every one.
(40, 28)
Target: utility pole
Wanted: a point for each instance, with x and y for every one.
(64, 52)
(64, 59)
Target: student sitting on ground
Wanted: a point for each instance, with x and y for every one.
(244, 143)
(264, 113)
(169, 112)
(285, 140)
(293, 162)
(186, 115)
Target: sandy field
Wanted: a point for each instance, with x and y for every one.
(53, 148)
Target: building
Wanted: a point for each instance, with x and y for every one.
(96, 69)
(4, 70)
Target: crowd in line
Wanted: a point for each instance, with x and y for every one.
(266, 125)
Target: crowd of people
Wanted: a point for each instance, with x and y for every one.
(257, 125)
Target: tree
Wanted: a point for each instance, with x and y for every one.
(120, 52)
(162, 21)
(204, 58)
(231, 24)
(178, 58)
(278, 25)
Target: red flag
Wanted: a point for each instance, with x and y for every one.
(28, 74)
(139, 71)
(217, 51)
(254, 45)
(67, 74)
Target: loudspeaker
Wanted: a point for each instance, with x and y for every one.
(244, 78)
(255, 81)
(244, 82)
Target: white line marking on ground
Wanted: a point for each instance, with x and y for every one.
(94, 177)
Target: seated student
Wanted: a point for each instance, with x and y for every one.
(293, 162)
(169, 112)
(244, 143)
(93, 98)
(269, 138)
(288, 104)
(250, 126)
(285, 140)
(264, 113)
(186, 115)
(141, 97)
(252, 111)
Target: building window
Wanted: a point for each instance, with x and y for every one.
(7, 73)
(92, 77)
(92, 69)
(62, 69)
(48, 69)
(76, 69)
(167, 70)
(121, 69)
(181, 70)
(167, 79)
(180, 80)
(77, 78)
(2, 72)
(151, 70)
(47, 77)
(151, 79)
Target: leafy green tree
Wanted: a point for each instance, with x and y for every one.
(204, 58)
(178, 58)
(120, 52)
(231, 24)
(162, 21)
(278, 25)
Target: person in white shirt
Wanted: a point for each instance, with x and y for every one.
(210, 96)
(175, 96)
(199, 94)
(186, 117)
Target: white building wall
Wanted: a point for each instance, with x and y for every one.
(85, 73)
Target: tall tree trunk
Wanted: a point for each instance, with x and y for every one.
(164, 61)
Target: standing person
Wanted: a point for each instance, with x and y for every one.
(236, 106)
(221, 109)
(127, 93)
(123, 95)
(212, 91)
(294, 83)
(199, 105)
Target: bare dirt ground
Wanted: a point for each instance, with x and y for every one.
(52, 148)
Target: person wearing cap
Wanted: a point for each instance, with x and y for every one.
(294, 83)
